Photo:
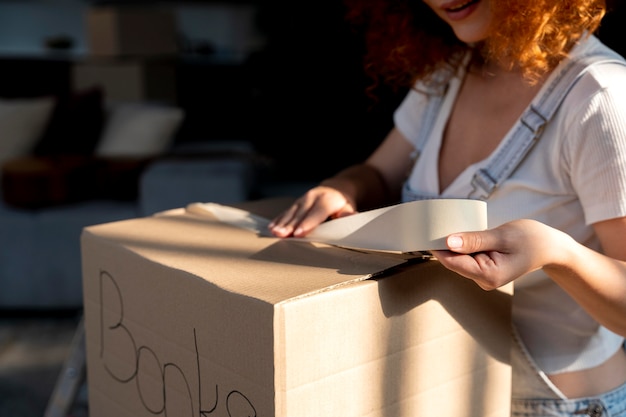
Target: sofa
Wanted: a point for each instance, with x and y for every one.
(40, 247)
(118, 164)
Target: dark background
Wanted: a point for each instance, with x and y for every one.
(300, 99)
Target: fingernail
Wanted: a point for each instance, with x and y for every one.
(455, 242)
(298, 231)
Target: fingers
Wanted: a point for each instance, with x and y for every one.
(297, 221)
(497, 256)
(309, 211)
(282, 225)
(487, 269)
(512, 237)
(294, 221)
(466, 265)
(473, 242)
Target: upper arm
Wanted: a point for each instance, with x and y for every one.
(393, 159)
(612, 235)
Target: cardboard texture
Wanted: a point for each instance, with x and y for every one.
(189, 316)
(116, 31)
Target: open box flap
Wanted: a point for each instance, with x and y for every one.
(234, 259)
(410, 227)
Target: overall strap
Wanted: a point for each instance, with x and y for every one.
(428, 118)
(426, 123)
(530, 126)
(527, 130)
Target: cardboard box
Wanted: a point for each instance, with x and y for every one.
(128, 80)
(188, 316)
(131, 30)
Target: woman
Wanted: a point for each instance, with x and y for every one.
(557, 217)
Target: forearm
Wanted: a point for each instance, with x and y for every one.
(597, 282)
(364, 186)
(497, 256)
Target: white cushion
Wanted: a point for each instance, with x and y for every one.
(139, 130)
(22, 124)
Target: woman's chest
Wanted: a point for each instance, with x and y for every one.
(483, 113)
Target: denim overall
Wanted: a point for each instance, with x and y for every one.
(533, 393)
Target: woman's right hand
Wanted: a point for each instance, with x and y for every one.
(368, 185)
(314, 207)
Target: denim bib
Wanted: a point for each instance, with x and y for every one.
(528, 380)
(527, 131)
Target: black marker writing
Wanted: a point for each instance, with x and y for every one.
(145, 363)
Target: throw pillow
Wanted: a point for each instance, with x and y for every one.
(22, 123)
(139, 130)
(75, 126)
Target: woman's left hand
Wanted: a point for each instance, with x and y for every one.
(495, 257)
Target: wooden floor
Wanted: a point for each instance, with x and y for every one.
(33, 349)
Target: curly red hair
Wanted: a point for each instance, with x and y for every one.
(406, 41)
